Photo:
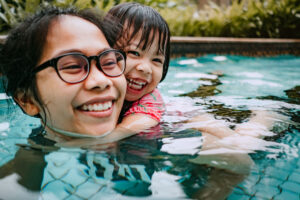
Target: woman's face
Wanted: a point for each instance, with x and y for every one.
(90, 107)
(143, 68)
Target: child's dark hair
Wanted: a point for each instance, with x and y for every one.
(25, 43)
(138, 17)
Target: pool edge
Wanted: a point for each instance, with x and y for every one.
(195, 46)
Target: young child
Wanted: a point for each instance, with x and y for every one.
(145, 38)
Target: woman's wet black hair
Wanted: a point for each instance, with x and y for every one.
(135, 17)
(24, 45)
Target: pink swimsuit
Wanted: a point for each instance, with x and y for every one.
(151, 104)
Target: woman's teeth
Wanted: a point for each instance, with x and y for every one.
(137, 85)
(97, 107)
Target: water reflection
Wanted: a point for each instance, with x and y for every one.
(140, 166)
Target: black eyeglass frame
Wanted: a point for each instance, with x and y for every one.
(53, 63)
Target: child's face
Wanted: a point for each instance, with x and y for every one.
(143, 68)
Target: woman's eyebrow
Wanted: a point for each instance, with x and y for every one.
(104, 49)
(67, 51)
(79, 51)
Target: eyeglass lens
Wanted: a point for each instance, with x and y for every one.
(75, 68)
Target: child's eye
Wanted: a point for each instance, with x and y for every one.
(158, 60)
(135, 53)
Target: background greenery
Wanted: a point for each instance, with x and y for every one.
(244, 18)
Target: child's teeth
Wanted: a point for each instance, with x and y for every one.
(136, 84)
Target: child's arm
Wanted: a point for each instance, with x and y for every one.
(144, 113)
(137, 122)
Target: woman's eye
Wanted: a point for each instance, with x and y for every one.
(108, 64)
(135, 53)
(70, 67)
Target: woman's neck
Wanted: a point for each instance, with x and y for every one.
(60, 135)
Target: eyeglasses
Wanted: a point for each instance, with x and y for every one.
(75, 67)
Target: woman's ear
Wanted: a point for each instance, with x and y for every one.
(27, 103)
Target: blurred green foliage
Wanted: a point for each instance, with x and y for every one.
(244, 18)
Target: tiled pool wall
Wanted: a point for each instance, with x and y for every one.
(197, 46)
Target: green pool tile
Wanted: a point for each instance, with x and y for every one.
(276, 173)
(298, 169)
(285, 165)
(295, 177)
(266, 191)
(271, 181)
(291, 186)
(56, 190)
(248, 188)
(253, 178)
(287, 195)
(280, 164)
(88, 189)
(257, 197)
(236, 196)
(238, 190)
(74, 177)
(73, 197)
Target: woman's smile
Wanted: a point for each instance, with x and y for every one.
(97, 109)
(97, 106)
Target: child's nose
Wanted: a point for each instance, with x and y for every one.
(144, 67)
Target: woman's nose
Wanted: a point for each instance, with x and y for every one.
(97, 79)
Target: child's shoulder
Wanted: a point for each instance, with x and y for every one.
(150, 104)
(152, 96)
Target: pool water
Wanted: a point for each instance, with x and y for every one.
(165, 162)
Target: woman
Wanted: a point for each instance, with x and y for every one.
(60, 67)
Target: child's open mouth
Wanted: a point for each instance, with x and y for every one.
(136, 84)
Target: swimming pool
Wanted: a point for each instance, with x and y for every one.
(161, 164)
